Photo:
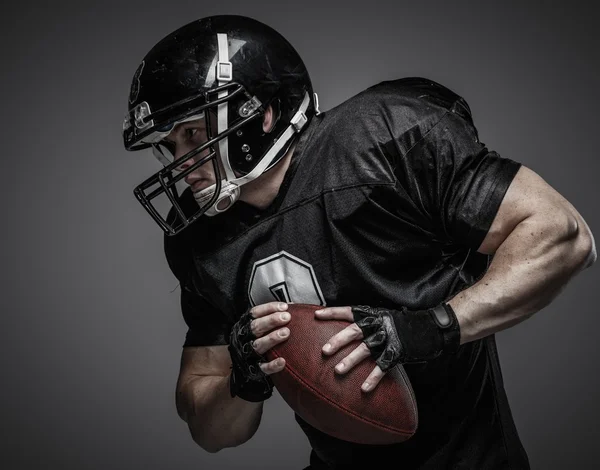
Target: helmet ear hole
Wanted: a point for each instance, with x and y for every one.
(275, 114)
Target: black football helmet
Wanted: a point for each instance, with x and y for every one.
(227, 70)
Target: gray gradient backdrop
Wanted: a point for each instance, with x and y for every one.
(91, 331)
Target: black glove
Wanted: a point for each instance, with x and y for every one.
(407, 336)
(247, 380)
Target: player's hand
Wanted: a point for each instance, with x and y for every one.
(257, 331)
(391, 336)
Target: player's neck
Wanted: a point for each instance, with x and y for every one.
(263, 190)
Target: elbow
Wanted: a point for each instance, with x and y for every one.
(587, 249)
(205, 442)
(213, 438)
(212, 445)
(583, 245)
(209, 448)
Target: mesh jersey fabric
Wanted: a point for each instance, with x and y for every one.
(386, 200)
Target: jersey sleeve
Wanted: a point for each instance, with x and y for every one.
(207, 326)
(454, 178)
(202, 320)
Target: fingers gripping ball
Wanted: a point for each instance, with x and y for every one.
(247, 380)
(406, 336)
(334, 403)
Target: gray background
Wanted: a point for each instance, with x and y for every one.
(91, 331)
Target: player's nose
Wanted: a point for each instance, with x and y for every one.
(186, 162)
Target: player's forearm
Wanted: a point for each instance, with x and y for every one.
(215, 419)
(529, 269)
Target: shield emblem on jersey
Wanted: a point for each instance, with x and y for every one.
(286, 278)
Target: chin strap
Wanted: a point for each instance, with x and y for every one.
(230, 188)
(224, 75)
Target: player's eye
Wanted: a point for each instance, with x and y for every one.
(190, 132)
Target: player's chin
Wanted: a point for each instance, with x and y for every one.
(201, 185)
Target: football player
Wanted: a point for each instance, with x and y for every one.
(387, 210)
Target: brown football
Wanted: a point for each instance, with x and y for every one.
(333, 403)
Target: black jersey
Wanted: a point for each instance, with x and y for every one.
(387, 198)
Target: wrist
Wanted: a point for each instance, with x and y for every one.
(447, 321)
(252, 390)
(427, 334)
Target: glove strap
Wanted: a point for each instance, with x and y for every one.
(445, 318)
(249, 390)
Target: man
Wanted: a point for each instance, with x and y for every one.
(386, 210)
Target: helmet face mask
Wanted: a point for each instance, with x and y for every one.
(167, 182)
(226, 70)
